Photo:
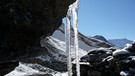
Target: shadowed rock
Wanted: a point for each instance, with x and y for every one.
(23, 22)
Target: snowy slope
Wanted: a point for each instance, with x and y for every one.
(34, 70)
(120, 42)
(85, 43)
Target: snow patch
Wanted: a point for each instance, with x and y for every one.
(121, 52)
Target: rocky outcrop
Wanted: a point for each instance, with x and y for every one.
(109, 62)
(22, 23)
(125, 60)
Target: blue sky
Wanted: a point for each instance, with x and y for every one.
(114, 19)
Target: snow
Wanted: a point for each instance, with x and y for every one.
(60, 35)
(26, 69)
(97, 50)
(62, 46)
(61, 74)
(23, 70)
(121, 52)
(124, 73)
(133, 59)
(127, 46)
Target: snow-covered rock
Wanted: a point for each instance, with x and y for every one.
(121, 52)
(111, 61)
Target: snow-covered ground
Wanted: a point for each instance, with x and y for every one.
(34, 69)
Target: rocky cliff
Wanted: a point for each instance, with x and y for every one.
(22, 24)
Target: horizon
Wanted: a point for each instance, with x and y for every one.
(111, 19)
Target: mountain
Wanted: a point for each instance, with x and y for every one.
(54, 60)
(116, 42)
(120, 42)
(100, 38)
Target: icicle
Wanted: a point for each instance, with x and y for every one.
(75, 24)
(68, 41)
(72, 13)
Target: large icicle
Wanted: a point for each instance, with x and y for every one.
(75, 8)
(68, 41)
(72, 13)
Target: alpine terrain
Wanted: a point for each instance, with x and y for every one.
(54, 61)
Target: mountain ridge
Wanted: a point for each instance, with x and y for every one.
(120, 42)
(116, 42)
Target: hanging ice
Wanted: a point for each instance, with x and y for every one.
(75, 8)
(72, 13)
(67, 40)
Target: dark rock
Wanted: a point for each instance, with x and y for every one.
(94, 73)
(52, 59)
(132, 48)
(84, 58)
(7, 67)
(132, 70)
(83, 69)
(92, 57)
(24, 22)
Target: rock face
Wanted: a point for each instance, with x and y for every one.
(23, 22)
(109, 62)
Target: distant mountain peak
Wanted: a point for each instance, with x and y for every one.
(120, 42)
(100, 37)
